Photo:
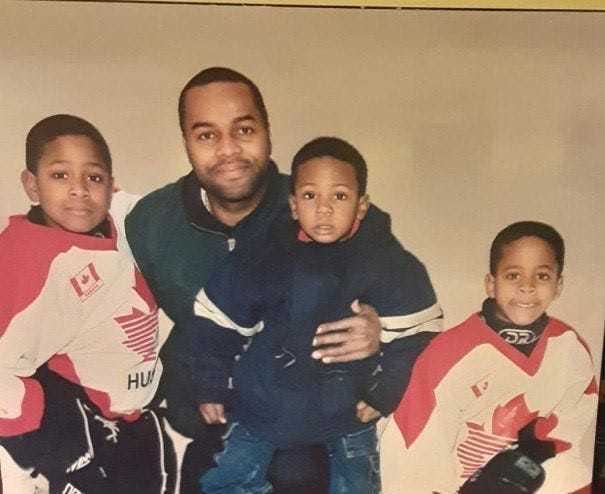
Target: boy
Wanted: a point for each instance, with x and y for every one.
(340, 250)
(504, 401)
(78, 328)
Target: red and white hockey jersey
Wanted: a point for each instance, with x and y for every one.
(469, 395)
(81, 305)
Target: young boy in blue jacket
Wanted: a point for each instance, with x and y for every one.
(339, 251)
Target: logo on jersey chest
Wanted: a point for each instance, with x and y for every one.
(86, 281)
(141, 332)
(518, 336)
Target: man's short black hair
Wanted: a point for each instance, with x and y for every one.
(222, 74)
(527, 229)
(49, 128)
(333, 147)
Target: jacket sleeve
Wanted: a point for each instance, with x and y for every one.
(227, 313)
(209, 352)
(404, 298)
(571, 427)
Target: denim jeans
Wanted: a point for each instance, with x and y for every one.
(241, 468)
(354, 463)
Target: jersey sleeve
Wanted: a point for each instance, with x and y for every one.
(32, 329)
(570, 426)
(410, 315)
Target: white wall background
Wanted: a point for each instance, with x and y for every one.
(469, 120)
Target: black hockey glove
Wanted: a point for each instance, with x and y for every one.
(517, 470)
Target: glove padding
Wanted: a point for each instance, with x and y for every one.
(509, 472)
(517, 470)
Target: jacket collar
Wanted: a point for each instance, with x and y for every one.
(198, 214)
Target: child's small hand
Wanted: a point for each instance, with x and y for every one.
(365, 413)
(213, 413)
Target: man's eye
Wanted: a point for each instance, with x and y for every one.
(341, 196)
(308, 195)
(96, 179)
(59, 175)
(206, 136)
(247, 130)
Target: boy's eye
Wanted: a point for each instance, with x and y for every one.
(511, 276)
(308, 195)
(544, 276)
(96, 178)
(341, 196)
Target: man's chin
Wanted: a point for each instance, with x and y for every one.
(237, 191)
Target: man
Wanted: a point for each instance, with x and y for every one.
(179, 233)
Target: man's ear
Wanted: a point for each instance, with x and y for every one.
(490, 285)
(362, 206)
(30, 185)
(293, 206)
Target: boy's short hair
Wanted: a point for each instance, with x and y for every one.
(336, 148)
(222, 74)
(49, 128)
(527, 229)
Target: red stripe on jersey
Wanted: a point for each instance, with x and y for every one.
(443, 353)
(25, 258)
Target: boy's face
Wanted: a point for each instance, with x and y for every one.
(72, 184)
(526, 281)
(326, 200)
(226, 140)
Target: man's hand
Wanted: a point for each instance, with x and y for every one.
(213, 413)
(366, 413)
(351, 338)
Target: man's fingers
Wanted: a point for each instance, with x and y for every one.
(342, 357)
(333, 338)
(340, 325)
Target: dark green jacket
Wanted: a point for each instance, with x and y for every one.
(177, 243)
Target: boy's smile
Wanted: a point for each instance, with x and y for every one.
(526, 281)
(326, 200)
(72, 184)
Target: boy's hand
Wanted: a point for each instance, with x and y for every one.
(351, 338)
(365, 413)
(213, 413)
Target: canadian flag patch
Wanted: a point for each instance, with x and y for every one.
(86, 282)
(481, 386)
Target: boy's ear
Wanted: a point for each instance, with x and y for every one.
(28, 179)
(490, 285)
(293, 206)
(559, 286)
(362, 206)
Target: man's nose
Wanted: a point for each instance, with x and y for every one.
(228, 146)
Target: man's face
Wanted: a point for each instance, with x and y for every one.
(226, 140)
